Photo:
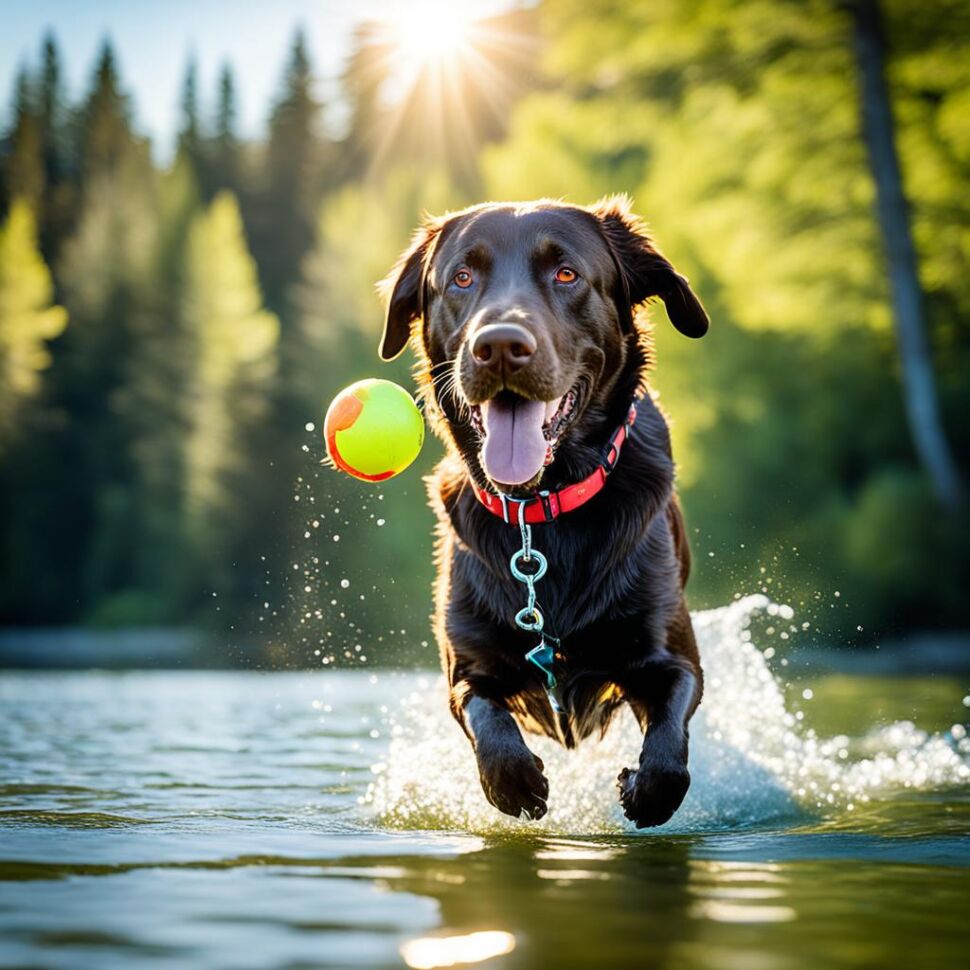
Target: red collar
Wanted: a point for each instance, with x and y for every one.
(547, 505)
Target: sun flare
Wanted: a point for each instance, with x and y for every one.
(440, 76)
(428, 34)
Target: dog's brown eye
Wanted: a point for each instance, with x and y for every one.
(463, 279)
(565, 274)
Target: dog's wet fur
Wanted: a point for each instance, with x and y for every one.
(614, 591)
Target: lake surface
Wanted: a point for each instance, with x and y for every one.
(334, 819)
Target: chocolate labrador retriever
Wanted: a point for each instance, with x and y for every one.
(557, 481)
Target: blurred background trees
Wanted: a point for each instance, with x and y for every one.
(156, 462)
(30, 318)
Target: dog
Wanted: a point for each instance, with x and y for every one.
(532, 364)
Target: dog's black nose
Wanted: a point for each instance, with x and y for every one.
(503, 345)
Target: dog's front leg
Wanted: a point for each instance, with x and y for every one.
(664, 694)
(511, 774)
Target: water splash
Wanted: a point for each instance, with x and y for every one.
(753, 762)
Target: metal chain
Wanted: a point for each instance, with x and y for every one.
(529, 617)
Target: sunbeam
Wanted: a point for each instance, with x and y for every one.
(435, 81)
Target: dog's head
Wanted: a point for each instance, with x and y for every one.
(527, 316)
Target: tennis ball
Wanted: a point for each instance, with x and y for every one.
(373, 430)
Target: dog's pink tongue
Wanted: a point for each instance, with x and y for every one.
(515, 448)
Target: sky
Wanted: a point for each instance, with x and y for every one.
(154, 42)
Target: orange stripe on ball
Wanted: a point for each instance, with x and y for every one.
(345, 412)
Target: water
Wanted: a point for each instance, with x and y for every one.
(334, 819)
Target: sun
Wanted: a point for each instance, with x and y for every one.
(429, 34)
(431, 37)
(438, 76)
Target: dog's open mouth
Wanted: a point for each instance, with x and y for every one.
(519, 436)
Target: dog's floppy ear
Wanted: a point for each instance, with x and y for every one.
(644, 272)
(403, 290)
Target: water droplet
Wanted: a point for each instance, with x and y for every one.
(380, 521)
(345, 583)
(808, 693)
(310, 426)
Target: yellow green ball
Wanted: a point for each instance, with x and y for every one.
(373, 430)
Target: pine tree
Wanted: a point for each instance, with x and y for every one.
(225, 148)
(190, 141)
(50, 109)
(57, 212)
(28, 316)
(23, 168)
(154, 398)
(282, 215)
(104, 272)
(105, 131)
(231, 341)
(293, 181)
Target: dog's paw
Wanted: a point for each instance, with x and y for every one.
(514, 782)
(651, 795)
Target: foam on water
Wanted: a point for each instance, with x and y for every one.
(753, 762)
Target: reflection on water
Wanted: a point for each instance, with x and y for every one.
(334, 820)
(428, 952)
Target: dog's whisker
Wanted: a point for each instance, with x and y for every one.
(446, 386)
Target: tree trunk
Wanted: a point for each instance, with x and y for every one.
(919, 383)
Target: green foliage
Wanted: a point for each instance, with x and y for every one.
(735, 126)
(231, 343)
(218, 305)
(900, 577)
(28, 316)
(337, 294)
(127, 608)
